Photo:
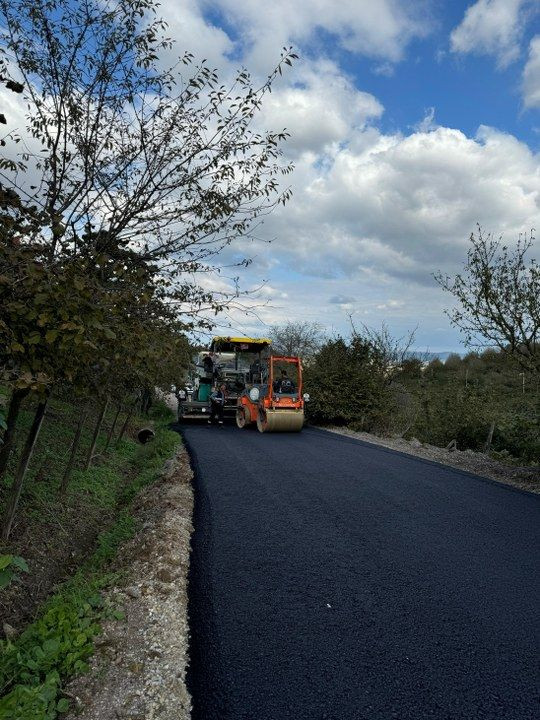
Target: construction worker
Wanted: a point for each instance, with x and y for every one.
(284, 384)
(217, 403)
(208, 364)
(255, 371)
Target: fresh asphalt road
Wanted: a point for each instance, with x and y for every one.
(340, 580)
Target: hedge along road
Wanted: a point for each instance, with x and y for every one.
(340, 580)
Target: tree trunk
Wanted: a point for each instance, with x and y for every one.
(17, 396)
(96, 434)
(16, 488)
(111, 431)
(487, 446)
(73, 453)
(146, 401)
(124, 426)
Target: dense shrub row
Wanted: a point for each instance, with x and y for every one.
(357, 383)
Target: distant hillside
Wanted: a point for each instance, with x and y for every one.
(429, 356)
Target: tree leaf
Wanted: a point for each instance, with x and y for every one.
(5, 560)
(20, 563)
(5, 578)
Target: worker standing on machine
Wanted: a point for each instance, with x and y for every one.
(208, 365)
(217, 403)
(211, 365)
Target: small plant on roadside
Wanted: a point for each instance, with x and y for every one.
(55, 646)
(10, 567)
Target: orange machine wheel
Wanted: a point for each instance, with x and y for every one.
(243, 418)
(262, 421)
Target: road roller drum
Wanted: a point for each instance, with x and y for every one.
(280, 420)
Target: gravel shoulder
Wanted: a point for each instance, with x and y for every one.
(138, 670)
(524, 478)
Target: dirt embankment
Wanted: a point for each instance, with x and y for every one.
(139, 668)
(525, 478)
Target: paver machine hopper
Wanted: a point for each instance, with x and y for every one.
(277, 403)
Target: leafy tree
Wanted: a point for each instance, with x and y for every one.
(148, 159)
(435, 368)
(135, 177)
(411, 368)
(354, 382)
(498, 298)
(453, 362)
(81, 320)
(49, 326)
(302, 339)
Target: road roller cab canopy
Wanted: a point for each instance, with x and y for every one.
(239, 344)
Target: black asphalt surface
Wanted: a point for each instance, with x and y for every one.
(332, 579)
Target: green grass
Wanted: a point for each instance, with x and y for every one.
(91, 495)
(52, 451)
(58, 644)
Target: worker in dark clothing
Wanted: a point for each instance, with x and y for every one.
(284, 384)
(255, 371)
(208, 365)
(217, 403)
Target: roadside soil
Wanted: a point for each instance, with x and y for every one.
(139, 667)
(524, 478)
(53, 549)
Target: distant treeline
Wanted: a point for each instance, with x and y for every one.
(483, 401)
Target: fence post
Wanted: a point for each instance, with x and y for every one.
(487, 446)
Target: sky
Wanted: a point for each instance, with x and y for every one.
(411, 121)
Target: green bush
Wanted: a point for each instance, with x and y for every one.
(520, 437)
(352, 383)
(347, 384)
(448, 413)
(55, 646)
(58, 644)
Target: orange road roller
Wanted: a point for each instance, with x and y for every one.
(276, 404)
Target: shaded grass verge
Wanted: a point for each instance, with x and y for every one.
(55, 527)
(56, 646)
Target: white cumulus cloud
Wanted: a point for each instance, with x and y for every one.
(320, 108)
(379, 29)
(393, 206)
(491, 27)
(531, 75)
(192, 32)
